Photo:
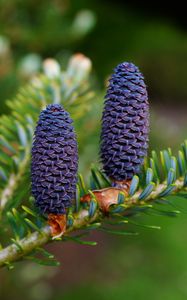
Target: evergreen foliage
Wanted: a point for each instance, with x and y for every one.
(23, 231)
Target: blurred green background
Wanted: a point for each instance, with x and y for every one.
(153, 264)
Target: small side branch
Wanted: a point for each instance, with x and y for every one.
(15, 252)
(37, 239)
(13, 183)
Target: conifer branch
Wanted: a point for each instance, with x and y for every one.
(161, 176)
(81, 220)
(13, 183)
(17, 251)
(16, 129)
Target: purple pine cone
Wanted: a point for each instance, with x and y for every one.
(54, 161)
(125, 123)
